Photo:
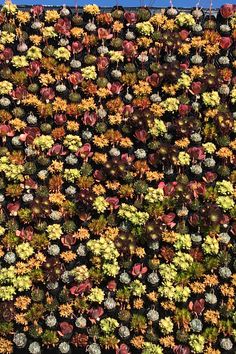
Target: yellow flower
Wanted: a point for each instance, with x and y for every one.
(196, 72)
(34, 53)
(158, 19)
(54, 231)
(225, 202)
(91, 9)
(169, 25)
(184, 80)
(157, 110)
(6, 346)
(142, 88)
(9, 7)
(68, 256)
(66, 310)
(197, 287)
(7, 37)
(59, 105)
(233, 145)
(198, 42)
(169, 236)
(145, 28)
(144, 42)
(226, 290)
(103, 92)
(56, 166)
(89, 72)
(224, 152)
(22, 268)
(99, 158)
(115, 118)
(96, 295)
(184, 158)
(209, 147)
(46, 79)
(211, 350)
(19, 61)
(77, 32)
(98, 189)
(184, 49)
(126, 142)
(211, 99)
(138, 304)
(51, 16)
(24, 251)
(72, 126)
(182, 143)
(167, 341)
(170, 104)
(233, 94)
(185, 19)
(5, 87)
(116, 55)
(62, 53)
(212, 49)
(21, 319)
(57, 198)
(170, 89)
(49, 32)
(22, 302)
(212, 316)
(35, 39)
(117, 26)
(80, 273)
(140, 252)
(44, 142)
(87, 104)
(154, 176)
(113, 185)
(211, 280)
(23, 16)
(82, 234)
(137, 342)
(100, 141)
(18, 124)
(152, 296)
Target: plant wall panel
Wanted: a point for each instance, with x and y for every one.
(117, 173)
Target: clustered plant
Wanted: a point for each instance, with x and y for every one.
(117, 174)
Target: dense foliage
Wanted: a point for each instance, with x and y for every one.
(117, 172)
